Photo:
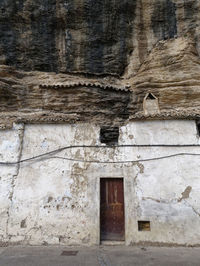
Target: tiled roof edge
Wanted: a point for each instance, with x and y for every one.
(182, 114)
(87, 84)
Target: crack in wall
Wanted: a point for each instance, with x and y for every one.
(194, 210)
(153, 199)
(185, 195)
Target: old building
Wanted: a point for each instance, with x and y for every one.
(149, 181)
(108, 150)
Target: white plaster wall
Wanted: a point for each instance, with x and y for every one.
(10, 143)
(57, 201)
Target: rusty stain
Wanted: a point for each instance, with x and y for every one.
(185, 194)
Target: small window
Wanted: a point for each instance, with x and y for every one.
(198, 127)
(109, 135)
(144, 226)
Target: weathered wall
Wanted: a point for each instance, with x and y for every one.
(10, 150)
(53, 200)
(90, 36)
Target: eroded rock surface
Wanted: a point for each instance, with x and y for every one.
(170, 72)
(91, 36)
(111, 52)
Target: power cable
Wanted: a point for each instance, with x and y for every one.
(131, 161)
(51, 153)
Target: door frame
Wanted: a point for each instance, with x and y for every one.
(99, 227)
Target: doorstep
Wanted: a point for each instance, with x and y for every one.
(112, 243)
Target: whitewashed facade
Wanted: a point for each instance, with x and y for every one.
(53, 200)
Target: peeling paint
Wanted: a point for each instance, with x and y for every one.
(56, 201)
(185, 194)
(141, 167)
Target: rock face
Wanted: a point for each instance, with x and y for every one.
(170, 73)
(102, 48)
(90, 36)
(37, 97)
(67, 35)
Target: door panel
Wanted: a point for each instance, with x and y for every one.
(112, 209)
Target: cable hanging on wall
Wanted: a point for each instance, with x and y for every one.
(50, 155)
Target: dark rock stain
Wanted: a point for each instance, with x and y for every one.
(98, 32)
(71, 24)
(19, 17)
(142, 38)
(94, 13)
(109, 30)
(189, 9)
(126, 19)
(23, 224)
(8, 31)
(164, 21)
(43, 24)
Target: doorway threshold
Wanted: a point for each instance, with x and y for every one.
(112, 243)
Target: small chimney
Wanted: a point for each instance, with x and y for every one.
(150, 104)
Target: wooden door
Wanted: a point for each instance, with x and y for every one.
(112, 209)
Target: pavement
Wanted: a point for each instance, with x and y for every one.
(101, 256)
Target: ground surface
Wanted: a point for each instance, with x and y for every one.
(101, 256)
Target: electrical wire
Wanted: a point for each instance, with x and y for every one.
(124, 162)
(51, 153)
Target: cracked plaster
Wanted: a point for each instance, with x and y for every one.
(54, 201)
